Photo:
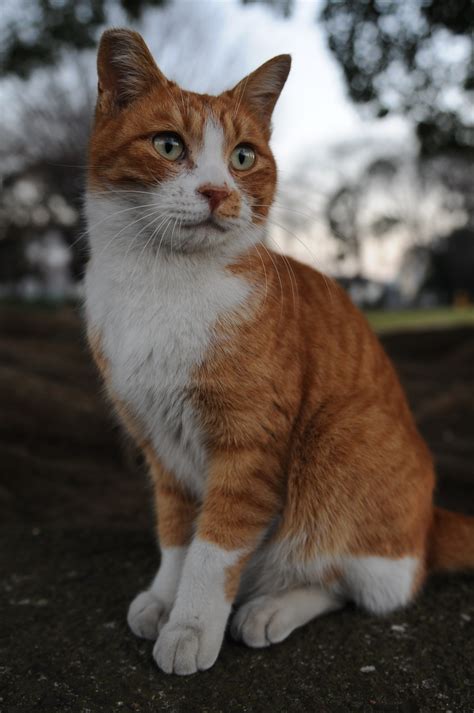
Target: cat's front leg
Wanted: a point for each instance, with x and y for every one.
(176, 512)
(242, 497)
(150, 609)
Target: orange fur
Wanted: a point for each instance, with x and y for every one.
(452, 542)
(121, 152)
(304, 416)
(313, 392)
(176, 510)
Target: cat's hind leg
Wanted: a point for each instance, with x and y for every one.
(381, 585)
(270, 618)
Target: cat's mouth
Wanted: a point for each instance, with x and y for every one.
(207, 223)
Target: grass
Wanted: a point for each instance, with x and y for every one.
(438, 318)
(381, 320)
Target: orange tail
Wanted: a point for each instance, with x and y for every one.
(452, 542)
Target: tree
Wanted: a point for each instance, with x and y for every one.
(390, 200)
(413, 58)
(285, 7)
(38, 32)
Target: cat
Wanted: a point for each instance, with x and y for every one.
(289, 476)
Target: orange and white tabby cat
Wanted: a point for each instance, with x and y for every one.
(288, 473)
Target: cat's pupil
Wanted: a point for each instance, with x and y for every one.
(168, 147)
(241, 157)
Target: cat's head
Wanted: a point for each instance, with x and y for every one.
(188, 171)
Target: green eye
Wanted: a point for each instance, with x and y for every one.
(243, 157)
(169, 145)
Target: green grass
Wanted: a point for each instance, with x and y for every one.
(381, 320)
(439, 317)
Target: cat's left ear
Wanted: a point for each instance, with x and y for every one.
(260, 90)
(126, 69)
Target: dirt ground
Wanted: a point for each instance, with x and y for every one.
(76, 544)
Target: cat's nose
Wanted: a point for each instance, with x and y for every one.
(214, 194)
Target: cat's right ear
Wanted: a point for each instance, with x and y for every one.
(125, 68)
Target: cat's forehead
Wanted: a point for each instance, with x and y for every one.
(192, 114)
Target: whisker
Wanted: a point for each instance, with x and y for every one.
(254, 246)
(172, 233)
(129, 225)
(291, 275)
(132, 275)
(84, 233)
(265, 273)
(275, 265)
(119, 212)
(121, 192)
(283, 207)
(313, 257)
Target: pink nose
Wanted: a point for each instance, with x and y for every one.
(214, 194)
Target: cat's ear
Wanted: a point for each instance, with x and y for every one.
(125, 68)
(260, 90)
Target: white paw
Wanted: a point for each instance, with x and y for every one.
(261, 622)
(185, 649)
(147, 615)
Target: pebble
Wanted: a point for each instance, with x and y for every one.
(399, 628)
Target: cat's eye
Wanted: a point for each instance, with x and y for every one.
(243, 157)
(169, 145)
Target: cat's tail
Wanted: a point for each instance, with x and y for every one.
(451, 546)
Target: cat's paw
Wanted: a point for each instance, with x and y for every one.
(147, 615)
(261, 622)
(185, 649)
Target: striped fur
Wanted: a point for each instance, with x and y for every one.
(289, 475)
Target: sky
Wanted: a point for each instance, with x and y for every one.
(313, 111)
(209, 45)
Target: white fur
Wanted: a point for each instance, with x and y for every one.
(165, 584)
(156, 327)
(180, 198)
(155, 307)
(210, 166)
(147, 615)
(156, 286)
(269, 619)
(378, 584)
(150, 609)
(173, 216)
(191, 639)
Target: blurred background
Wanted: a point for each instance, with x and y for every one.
(374, 134)
(375, 144)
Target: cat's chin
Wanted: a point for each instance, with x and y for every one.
(208, 225)
(201, 237)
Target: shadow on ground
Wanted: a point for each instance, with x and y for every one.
(76, 544)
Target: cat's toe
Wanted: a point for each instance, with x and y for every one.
(147, 615)
(259, 623)
(185, 649)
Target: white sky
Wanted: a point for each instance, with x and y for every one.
(313, 111)
(209, 45)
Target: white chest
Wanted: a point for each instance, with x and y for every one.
(156, 321)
